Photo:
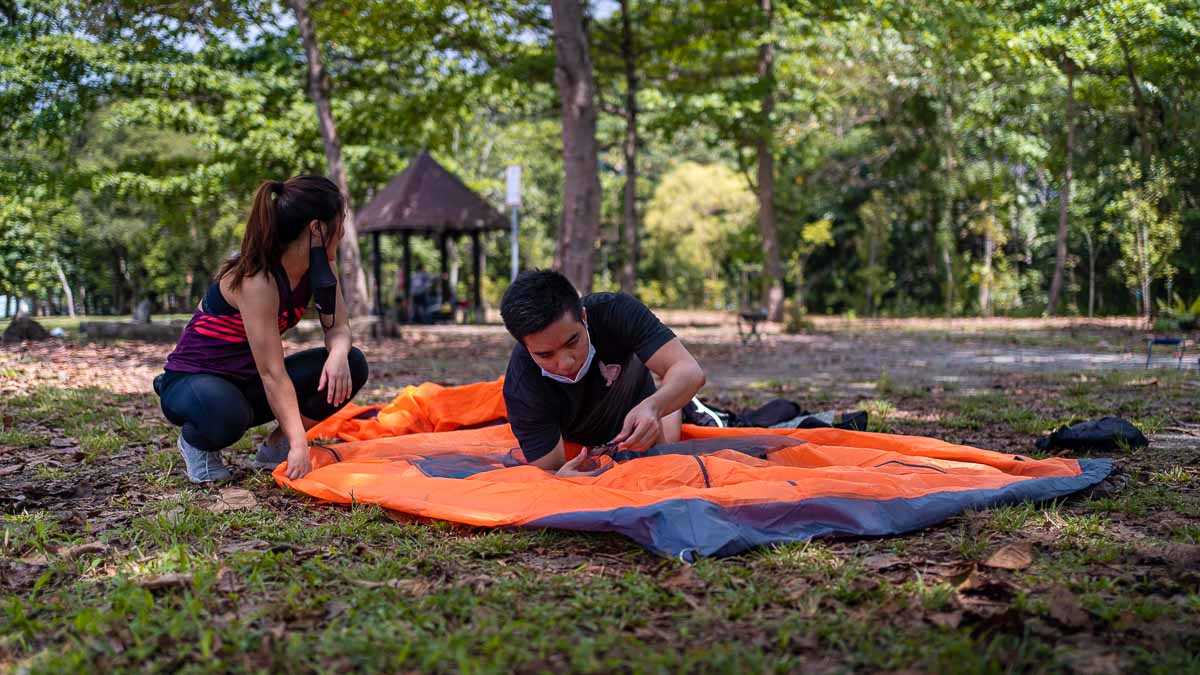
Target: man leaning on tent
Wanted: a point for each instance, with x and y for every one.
(581, 372)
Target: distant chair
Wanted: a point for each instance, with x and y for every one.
(750, 310)
(1166, 341)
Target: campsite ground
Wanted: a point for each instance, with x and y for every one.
(110, 561)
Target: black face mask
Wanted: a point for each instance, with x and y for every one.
(322, 280)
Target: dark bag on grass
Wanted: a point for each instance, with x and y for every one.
(1105, 434)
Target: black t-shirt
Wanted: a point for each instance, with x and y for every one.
(540, 408)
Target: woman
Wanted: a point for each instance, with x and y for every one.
(228, 373)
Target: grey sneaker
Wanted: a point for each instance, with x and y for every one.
(270, 456)
(202, 466)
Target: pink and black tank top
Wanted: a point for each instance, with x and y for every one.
(214, 341)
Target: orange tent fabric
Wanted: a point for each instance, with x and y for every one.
(717, 492)
(421, 409)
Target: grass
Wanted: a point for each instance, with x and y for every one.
(288, 585)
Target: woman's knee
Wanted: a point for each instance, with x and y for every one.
(217, 417)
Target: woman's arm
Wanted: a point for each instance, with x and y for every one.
(335, 377)
(258, 302)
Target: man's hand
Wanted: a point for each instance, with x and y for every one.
(581, 465)
(643, 426)
(298, 462)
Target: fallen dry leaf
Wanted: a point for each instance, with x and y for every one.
(684, 578)
(882, 561)
(233, 499)
(1015, 556)
(4, 471)
(949, 620)
(248, 545)
(227, 581)
(1093, 663)
(62, 443)
(72, 552)
(336, 608)
(411, 586)
(1065, 609)
(164, 580)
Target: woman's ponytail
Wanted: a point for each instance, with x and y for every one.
(260, 244)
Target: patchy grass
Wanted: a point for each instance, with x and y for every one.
(289, 585)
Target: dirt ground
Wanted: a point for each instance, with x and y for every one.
(110, 560)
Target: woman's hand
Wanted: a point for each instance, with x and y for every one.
(335, 379)
(298, 461)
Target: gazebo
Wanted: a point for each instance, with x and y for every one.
(426, 199)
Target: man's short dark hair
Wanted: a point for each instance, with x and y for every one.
(535, 300)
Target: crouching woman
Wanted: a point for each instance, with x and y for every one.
(228, 373)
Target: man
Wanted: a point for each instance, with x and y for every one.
(581, 371)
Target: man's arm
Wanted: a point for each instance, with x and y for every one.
(553, 460)
(680, 379)
(556, 461)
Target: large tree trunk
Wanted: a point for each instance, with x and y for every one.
(581, 184)
(354, 280)
(629, 232)
(767, 225)
(1064, 203)
(62, 279)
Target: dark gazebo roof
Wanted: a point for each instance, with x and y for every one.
(425, 197)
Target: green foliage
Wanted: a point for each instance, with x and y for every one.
(1179, 314)
(925, 139)
(693, 222)
(1147, 235)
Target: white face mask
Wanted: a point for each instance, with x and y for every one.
(587, 363)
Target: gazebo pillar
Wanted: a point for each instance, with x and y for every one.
(445, 276)
(408, 294)
(376, 261)
(477, 264)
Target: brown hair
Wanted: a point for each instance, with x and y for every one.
(281, 212)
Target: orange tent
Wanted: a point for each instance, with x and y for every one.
(430, 454)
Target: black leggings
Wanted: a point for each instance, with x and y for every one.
(215, 411)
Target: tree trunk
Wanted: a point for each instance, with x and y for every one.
(354, 280)
(872, 249)
(989, 240)
(1064, 203)
(767, 224)
(1144, 269)
(1087, 235)
(630, 216)
(1140, 114)
(62, 279)
(118, 281)
(581, 183)
(946, 234)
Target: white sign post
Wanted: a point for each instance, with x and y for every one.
(512, 199)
